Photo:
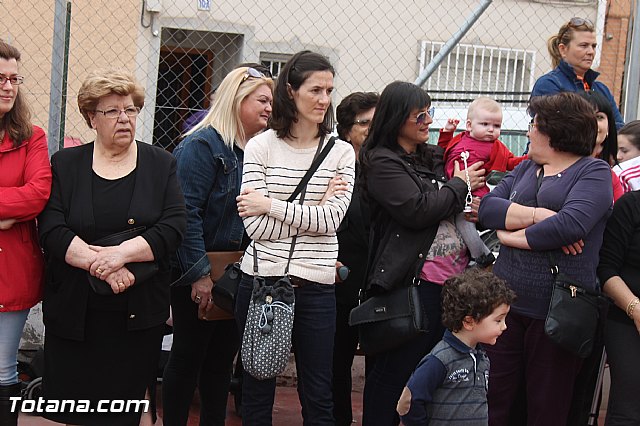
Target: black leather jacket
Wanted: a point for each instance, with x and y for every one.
(406, 210)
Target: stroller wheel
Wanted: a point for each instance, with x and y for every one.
(33, 390)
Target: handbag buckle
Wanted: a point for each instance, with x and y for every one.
(574, 290)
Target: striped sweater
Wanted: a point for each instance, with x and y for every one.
(274, 168)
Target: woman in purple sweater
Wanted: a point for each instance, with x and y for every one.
(565, 216)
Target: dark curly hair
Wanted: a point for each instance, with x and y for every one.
(474, 293)
(568, 120)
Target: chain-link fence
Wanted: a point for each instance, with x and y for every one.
(180, 50)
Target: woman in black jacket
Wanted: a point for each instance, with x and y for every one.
(103, 340)
(354, 116)
(412, 208)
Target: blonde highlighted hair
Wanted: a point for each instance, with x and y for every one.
(484, 103)
(105, 82)
(224, 114)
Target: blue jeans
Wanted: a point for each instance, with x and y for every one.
(392, 369)
(313, 332)
(11, 325)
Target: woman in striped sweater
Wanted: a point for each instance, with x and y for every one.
(275, 162)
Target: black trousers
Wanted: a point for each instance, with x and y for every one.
(623, 352)
(202, 354)
(345, 345)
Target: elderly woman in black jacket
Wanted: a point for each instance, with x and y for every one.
(412, 209)
(103, 340)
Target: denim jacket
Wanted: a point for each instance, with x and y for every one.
(210, 175)
(563, 79)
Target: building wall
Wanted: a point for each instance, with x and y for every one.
(615, 45)
(370, 43)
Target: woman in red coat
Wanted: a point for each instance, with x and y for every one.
(25, 184)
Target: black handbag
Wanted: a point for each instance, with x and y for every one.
(388, 320)
(142, 271)
(226, 287)
(574, 312)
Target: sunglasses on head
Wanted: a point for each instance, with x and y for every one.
(576, 23)
(252, 73)
(422, 117)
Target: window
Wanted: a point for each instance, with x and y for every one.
(473, 70)
(274, 61)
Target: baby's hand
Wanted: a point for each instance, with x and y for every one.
(452, 125)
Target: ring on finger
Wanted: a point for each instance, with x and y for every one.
(99, 271)
(197, 299)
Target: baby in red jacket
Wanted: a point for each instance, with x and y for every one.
(480, 141)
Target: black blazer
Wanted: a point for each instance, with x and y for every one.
(157, 204)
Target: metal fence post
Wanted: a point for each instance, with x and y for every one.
(57, 97)
(632, 76)
(451, 43)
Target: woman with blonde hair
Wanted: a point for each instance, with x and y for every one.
(25, 184)
(572, 51)
(210, 160)
(115, 217)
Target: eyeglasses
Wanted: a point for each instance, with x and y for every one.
(364, 123)
(115, 113)
(14, 80)
(252, 73)
(422, 117)
(532, 126)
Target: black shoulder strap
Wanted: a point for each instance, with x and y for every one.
(317, 160)
(312, 169)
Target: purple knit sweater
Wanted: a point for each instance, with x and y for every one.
(582, 196)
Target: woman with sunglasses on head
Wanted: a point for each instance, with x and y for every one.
(413, 207)
(25, 184)
(294, 237)
(210, 163)
(353, 116)
(115, 217)
(572, 52)
(551, 208)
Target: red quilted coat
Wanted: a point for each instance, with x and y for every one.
(25, 185)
